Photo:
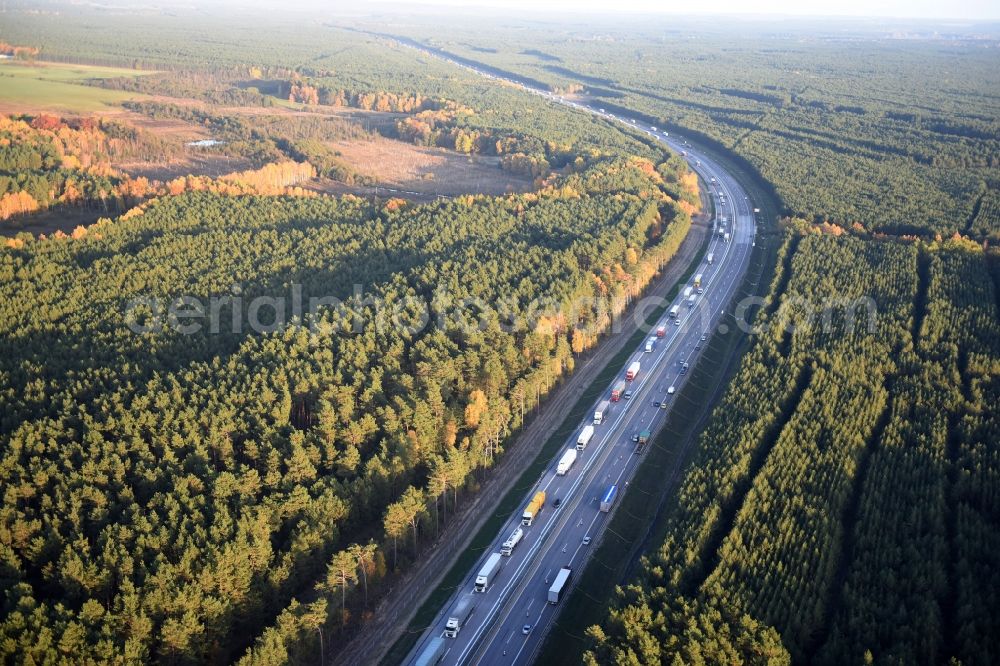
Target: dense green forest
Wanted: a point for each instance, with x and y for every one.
(239, 492)
(842, 505)
(900, 136)
(168, 493)
(246, 493)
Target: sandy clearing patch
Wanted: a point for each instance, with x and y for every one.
(403, 166)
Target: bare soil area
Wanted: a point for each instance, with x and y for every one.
(410, 169)
(194, 164)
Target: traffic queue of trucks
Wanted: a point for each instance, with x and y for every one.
(463, 610)
(567, 460)
(436, 648)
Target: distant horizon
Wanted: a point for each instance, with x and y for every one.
(922, 10)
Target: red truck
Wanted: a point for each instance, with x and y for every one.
(616, 392)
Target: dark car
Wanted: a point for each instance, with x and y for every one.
(656, 403)
(557, 502)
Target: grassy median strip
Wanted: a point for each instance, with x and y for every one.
(512, 500)
(639, 520)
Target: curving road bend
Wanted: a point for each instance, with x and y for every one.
(510, 619)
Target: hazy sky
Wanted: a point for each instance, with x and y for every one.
(966, 9)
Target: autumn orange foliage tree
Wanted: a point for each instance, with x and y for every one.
(27, 52)
(17, 203)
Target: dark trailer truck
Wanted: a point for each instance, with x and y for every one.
(643, 438)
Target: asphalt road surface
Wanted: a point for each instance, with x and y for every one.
(512, 616)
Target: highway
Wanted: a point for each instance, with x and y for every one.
(510, 619)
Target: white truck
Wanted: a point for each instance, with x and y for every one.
(688, 291)
(433, 653)
(710, 258)
(559, 584)
(633, 370)
(567, 460)
(511, 543)
(585, 436)
(726, 237)
(650, 343)
(691, 300)
(674, 311)
(459, 616)
(488, 572)
(601, 412)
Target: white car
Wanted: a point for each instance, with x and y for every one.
(671, 390)
(526, 629)
(586, 541)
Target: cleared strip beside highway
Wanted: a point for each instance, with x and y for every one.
(511, 617)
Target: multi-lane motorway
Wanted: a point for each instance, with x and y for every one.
(510, 619)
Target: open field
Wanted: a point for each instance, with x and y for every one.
(428, 170)
(194, 163)
(57, 86)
